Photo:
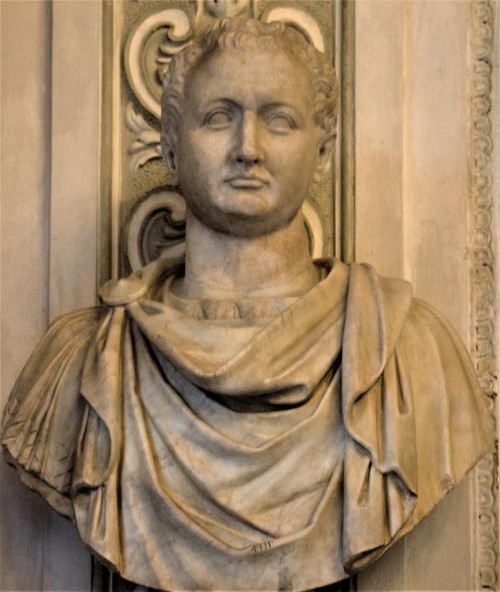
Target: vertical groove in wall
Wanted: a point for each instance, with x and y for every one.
(105, 253)
(47, 189)
(75, 166)
(336, 188)
(116, 147)
(482, 255)
(347, 102)
(406, 80)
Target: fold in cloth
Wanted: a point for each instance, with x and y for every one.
(248, 454)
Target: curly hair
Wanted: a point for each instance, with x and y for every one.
(246, 34)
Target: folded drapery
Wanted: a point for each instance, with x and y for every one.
(246, 445)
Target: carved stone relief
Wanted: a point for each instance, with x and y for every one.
(483, 261)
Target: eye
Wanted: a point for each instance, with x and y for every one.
(219, 118)
(280, 122)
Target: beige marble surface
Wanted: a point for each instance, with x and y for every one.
(39, 550)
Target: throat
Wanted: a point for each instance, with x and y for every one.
(222, 266)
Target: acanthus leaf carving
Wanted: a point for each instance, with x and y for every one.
(146, 145)
(229, 8)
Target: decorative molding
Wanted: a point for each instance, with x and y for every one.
(300, 20)
(146, 145)
(156, 228)
(314, 229)
(149, 49)
(483, 261)
(222, 8)
(347, 132)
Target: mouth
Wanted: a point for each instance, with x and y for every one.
(250, 183)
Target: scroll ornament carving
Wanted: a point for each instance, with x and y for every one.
(156, 228)
(150, 47)
(483, 280)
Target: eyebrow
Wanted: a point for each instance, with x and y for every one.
(236, 105)
(280, 105)
(219, 100)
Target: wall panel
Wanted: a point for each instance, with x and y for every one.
(412, 220)
(379, 135)
(49, 157)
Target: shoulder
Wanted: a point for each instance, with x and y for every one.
(43, 415)
(67, 337)
(146, 282)
(73, 325)
(429, 331)
(450, 409)
(66, 340)
(440, 366)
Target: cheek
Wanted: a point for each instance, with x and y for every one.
(302, 151)
(300, 165)
(310, 163)
(193, 164)
(204, 156)
(189, 154)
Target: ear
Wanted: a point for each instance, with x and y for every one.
(325, 149)
(169, 159)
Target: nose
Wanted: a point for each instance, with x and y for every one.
(247, 147)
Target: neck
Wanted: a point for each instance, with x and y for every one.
(224, 266)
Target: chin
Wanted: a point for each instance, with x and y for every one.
(247, 204)
(244, 225)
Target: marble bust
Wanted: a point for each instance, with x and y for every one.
(245, 418)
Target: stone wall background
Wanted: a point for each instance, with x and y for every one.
(39, 549)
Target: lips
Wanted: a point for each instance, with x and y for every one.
(246, 182)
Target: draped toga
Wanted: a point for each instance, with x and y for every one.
(260, 444)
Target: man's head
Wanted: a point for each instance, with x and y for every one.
(248, 120)
(249, 35)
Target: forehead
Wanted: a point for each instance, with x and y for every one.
(250, 77)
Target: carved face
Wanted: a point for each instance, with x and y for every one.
(248, 148)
